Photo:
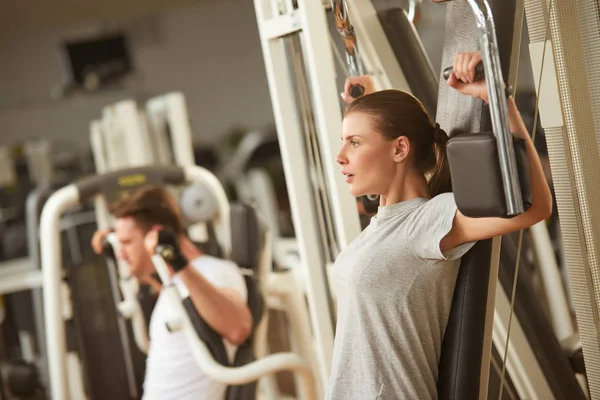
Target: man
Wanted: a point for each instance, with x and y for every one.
(216, 287)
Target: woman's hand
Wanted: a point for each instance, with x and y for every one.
(463, 76)
(366, 81)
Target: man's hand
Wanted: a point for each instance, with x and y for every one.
(155, 236)
(98, 240)
(366, 81)
(463, 75)
(150, 244)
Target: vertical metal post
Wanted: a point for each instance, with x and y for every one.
(498, 107)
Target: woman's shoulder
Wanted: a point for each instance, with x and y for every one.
(432, 212)
(435, 205)
(442, 199)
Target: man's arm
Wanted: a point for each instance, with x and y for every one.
(221, 307)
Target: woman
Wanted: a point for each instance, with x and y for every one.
(395, 281)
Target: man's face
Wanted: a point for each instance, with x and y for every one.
(131, 240)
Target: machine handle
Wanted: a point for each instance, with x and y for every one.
(356, 91)
(498, 106)
(479, 71)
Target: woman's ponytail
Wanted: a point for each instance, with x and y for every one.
(440, 181)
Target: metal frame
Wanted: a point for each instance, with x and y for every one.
(39, 161)
(98, 147)
(275, 22)
(17, 275)
(253, 186)
(283, 290)
(170, 109)
(8, 175)
(557, 296)
(498, 107)
(126, 136)
(32, 276)
(564, 36)
(521, 363)
(559, 302)
(125, 132)
(376, 53)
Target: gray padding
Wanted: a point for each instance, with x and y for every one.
(199, 203)
(476, 177)
(454, 110)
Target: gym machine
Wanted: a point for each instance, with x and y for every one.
(279, 19)
(109, 184)
(22, 368)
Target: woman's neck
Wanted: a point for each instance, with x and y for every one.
(411, 186)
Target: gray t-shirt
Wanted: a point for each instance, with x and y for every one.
(394, 289)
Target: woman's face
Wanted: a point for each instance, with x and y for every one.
(368, 159)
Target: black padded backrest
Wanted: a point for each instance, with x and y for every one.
(211, 246)
(248, 239)
(208, 335)
(411, 56)
(247, 236)
(462, 347)
(244, 356)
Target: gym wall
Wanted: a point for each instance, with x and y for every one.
(210, 50)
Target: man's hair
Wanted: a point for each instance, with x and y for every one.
(149, 206)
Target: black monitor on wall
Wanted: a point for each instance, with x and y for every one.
(93, 63)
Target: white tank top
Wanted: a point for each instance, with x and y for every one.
(171, 372)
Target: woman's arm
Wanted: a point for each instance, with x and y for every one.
(466, 229)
